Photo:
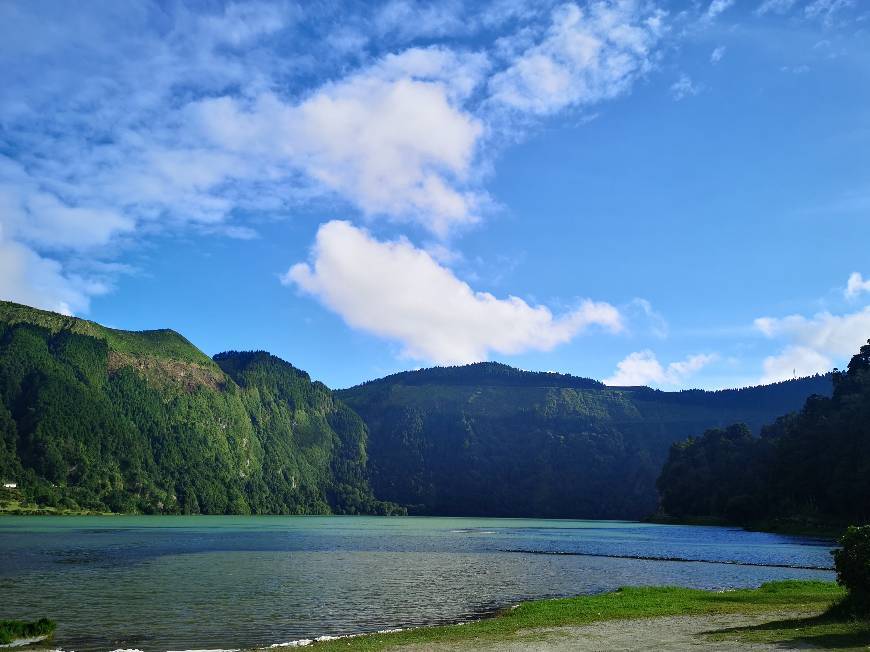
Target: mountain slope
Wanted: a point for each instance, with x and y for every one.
(490, 439)
(96, 418)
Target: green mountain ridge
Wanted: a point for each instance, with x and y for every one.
(109, 420)
(487, 439)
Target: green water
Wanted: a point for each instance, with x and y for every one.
(181, 583)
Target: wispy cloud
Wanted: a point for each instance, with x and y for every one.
(684, 87)
(641, 310)
(587, 54)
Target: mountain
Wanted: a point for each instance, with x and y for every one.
(809, 467)
(488, 439)
(102, 419)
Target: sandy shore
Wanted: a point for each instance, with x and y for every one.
(668, 634)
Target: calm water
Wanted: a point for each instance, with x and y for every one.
(177, 583)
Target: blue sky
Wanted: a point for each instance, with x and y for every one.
(646, 192)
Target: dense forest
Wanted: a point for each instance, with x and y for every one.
(810, 465)
(99, 419)
(488, 439)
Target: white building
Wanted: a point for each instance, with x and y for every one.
(10, 485)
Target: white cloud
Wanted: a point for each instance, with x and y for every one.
(399, 292)
(717, 54)
(643, 368)
(587, 55)
(856, 285)
(813, 345)
(684, 87)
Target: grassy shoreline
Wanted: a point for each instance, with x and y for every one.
(802, 599)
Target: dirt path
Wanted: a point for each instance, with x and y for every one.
(668, 634)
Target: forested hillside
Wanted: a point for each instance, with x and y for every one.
(487, 439)
(101, 419)
(811, 465)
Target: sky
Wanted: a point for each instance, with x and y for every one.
(674, 194)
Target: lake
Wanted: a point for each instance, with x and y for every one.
(180, 583)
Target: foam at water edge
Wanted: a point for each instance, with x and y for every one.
(305, 642)
(19, 642)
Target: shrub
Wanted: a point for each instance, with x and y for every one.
(852, 562)
(11, 630)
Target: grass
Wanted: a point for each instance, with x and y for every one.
(626, 603)
(12, 630)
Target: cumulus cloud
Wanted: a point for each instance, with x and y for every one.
(717, 54)
(399, 292)
(856, 285)
(586, 55)
(391, 138)
(815, 344)
(643, 368)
